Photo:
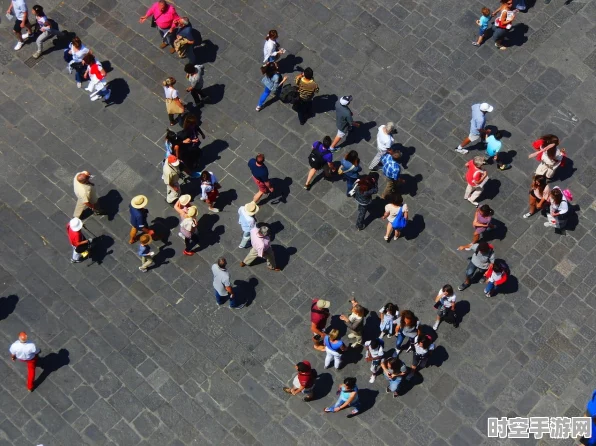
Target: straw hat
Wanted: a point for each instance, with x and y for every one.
(192, 211)
(251, 208)
(184, 199)
(139, 202)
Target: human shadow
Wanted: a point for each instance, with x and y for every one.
(162, 228)
(281, 190)
(414, 227)
(324, 103)
(100, 249)
(51, 363)
(437, 357)
(409, 186)
(516, 35)
(367, 398)
(376, 209)
(61, 41)
(110, 203)
(497, 233)
(107, 66)
(352, 355)
(209, 234)
(565, 170)
(215, 93)
(162, 256)
(371, 328)
(357, 134)
(406, 153)
(210, 153)
(572, 219)
(491, 189)
(407, 385)
(509, 287)
(206, 52)
(8, 305)
(119, 90)
(335, 323)
(226, 198)
(288, 64)
(462, 308)
(274, 228)
(323, 386)
(246, 290)
(282, 255)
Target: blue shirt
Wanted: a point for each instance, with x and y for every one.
(484, 22)
(186, 32)
(478, 120)
(345, 165)
(143, 250)
(391, 168)
(333, 345)
(493, 145)
(138, 217)
(261, 173)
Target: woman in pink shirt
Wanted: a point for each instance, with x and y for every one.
(164, 16)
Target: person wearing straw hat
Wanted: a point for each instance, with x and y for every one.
(77, 240)
(182, 205)
(247, 221)
(171, 178)
(188, 229)
(138, 217)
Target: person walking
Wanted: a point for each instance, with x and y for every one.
(138, 218)
(222, 286)
(374, 354)
(171, 178)
(476, 177)
(539, 196)
(27, 352)
(505, 16)
(320, 158)
(272, 50)
(190, 144)
(21, 13)
(347, 397)
(477, 131)
(391, 170)
(406, 326)
(86, 195)
(319, 313)
(355, 322)
(261, 247)
(445, 305)
(97, 78)
(209, 189)
(384, 143)
(550, 159)
(493, 149)
(482, 258)
(272, 80)
(260, 175)
(79, 243)
(365, 188)
(45, 29)
(174, 105)
(184, 43)
(394, 371)
(304, 382)
(482, 222)
(194, 76)
(334, 347)
(247, 221)
(559, 210)
(343, 120)
(188, 229)
(162, 17)
(423, 346)
(349, 169)
(145, 253)
(73, 56)
(395, 209)
(482, 23)
(307, 88)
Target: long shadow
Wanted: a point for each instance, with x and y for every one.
(351, 356)
(565, 171)
(410, 184)
(414, 227)
(407, 385)
(491, 189)
(119, 91)
(51, 363)
(438, 357)
(226, 198)
(282, 255)
(163, 228)
(288, 65)
(107, 66)
(162, 256)
(516, 35)
(207, 52)
(357, 134)
(210, 153)
(324, 103)
(572, 219)
(509, 287)
(371, 328)
(215, 93)
(323, 386)
(110, 203)
(462, 308)
(498, 233)
(8, 305)
(367, 399)
(208, 233)
(335, 323)
(274, 228)
(246, 290)
(406, 153)
(376, 209)
(61, 41)
(281, 190)
(99, 249)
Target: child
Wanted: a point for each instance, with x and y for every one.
(445, 304)
(355, 322)
(374, 355)
(145, 253)
(348, 397)
(493, 147)
(482, 22)
(304, 382)
(496, 275)
(209, 189)
(422, 347)
(388, 315)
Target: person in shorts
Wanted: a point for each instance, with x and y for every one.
(304, 381)
(482, 258)
(343, 120)
(477, 125)
(21, 13)
(320, 158)
(260, 175)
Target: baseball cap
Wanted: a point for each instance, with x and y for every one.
(323, 303)
(172, 160)
(486, 107)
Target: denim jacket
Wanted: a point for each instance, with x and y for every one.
(353, 174)
(365, 198)
(272, 83)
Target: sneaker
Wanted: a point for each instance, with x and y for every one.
(395, 394)
(142, 269)
(75, 261)
(69, 68)
(382, 335)
(79, 85)
(487, 294)
(213, 210)
(436, 326)
(306, 187)
(107, 96)
(89, 89)
(389, 335)
(18, 46)
(462, 287)
(372, 379)
(36, 54)
(527, 215)
(258, 108)
(475, 43)
(462, 151)
(475, 203)
(236, 307)
(548, 224)
(94, 97)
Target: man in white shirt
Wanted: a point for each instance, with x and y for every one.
(25, 351)
(384, 143)
(21, 13)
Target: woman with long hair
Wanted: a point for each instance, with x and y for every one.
(365, 189)
(482, 221)
(271, 49)
(272, 81)
(539, 197)
(73, 56)
(174, 105)
(349, 168)
(406, 326)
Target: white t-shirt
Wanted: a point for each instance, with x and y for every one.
(375, 351)
(43, 23)
(419, 349)
(495, 276)
(446, 301)
(170, 92)
(77, 55)
(393, 210)
(561, 208)
(207, 187)
(19, 8)
(384, 141)
(23, 350)
(269, 49)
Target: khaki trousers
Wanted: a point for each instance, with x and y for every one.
(267, 255)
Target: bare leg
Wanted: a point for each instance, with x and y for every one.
(389, 229)
(311, 173)
(465, 142)
(335, 142)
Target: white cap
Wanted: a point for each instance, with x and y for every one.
(486, 107)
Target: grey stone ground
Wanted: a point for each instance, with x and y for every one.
(152, 361)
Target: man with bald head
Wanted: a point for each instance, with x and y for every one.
(25, 351)
(84, 189)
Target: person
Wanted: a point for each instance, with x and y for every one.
(73, 56)
(550, 160)
(261, 247)
(27, 352)
(388, 316)
(86, 195)
(334, 347)
(171, 178)
(221, 284)
(384, 142)
(184, 43)
(21, 13)
(260, 175)
(539, 196)
(194, 75)
(138, 218)
(493, 148)
(355, 322)
(505, 15)
(303, 382)
(183, 205)
(482, 23)
(445, 305)
(476, 177)
(482, 222)
(247, 221)
(392, 211)
(79, 243)
(209, 189)
(394, 371)
(190, 143)
(271, 49)
(163, 14)
(366, 187)
(559, 210)
(188, 229)
(496, 275)
(423, 346)
(391, 170)
(320, 158)
(172, 144)
(319, 313)
(307, 88)
(477, 131)
(406, 326)
(482, 258)
(97, 78)
(174, 105)
(272, 81)
(349, 169)
(348, 397)
(374, 354)
(590, 413)
(45, 29)
(343, 120)
(145, 252)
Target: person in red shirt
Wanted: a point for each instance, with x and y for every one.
(304, 382)
(319, 313)
(476, 178)
(73, 229)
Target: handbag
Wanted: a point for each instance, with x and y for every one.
(341, 171)
(153, 24)
(173, 107)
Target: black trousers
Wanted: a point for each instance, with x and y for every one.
(304, 109)
(197, 95)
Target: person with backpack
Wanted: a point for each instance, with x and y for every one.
(559, 209)
(272, 81)
(334, 347)
(374, 354)
(304, 382)
(363, 190)
(496, 275)
(482, 258)
(445, 305)
(349, 169)
(320, 158)
(396, 214)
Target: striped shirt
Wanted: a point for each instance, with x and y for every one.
(306, 88)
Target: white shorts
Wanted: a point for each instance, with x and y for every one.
(473, 138)
(341, 134)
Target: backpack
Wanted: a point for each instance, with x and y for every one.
(289, 94)
(400, 221)
(315, 159)
(567, 194)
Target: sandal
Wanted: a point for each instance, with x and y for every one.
(386, 239)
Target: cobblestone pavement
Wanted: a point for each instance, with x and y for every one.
(149, 359)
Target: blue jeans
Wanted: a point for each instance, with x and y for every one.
(491, 288)
(355, 405)
(471, 270)
(394, 382)
(245, 242)
(222, 299)
(350, 184)
(265, 95)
